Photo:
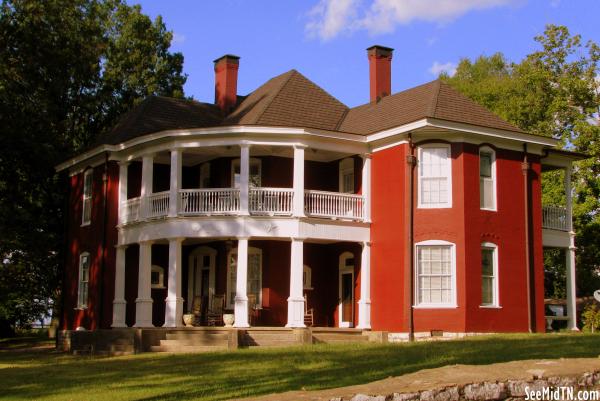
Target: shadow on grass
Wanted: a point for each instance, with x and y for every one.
(225, 375)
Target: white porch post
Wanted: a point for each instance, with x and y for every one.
(244, 178)
(123, 167)
(147, 178)
(364, 305)
(570, 258)
(366, 187)
(143, 302)
(298, 201)
(119, 303)
(296, 298)
(174, 300)
(175, 183)
(241, 284)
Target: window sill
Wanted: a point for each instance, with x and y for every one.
(86, 224)
(434, 306)
(81, 308)
(160, 287)
(487, 209)
(490, 307)
(434, 206)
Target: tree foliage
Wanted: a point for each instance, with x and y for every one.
(68, 69)
(553, 91)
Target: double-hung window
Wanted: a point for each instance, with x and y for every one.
(435, 274)
(435, 176)
(489, 275)
(84, 278)
(86, 217)
(254, 281)
(487, 179)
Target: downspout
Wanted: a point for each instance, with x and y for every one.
(525, 169)
(411, 162)
(103, 257)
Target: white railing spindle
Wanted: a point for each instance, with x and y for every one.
(333, 205)
(211, 201)
(554, 218)
(271, 201)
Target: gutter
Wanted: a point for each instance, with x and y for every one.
(525, 168)
(411, 162)
(104, 224)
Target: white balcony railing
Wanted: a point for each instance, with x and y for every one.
(333, 205)
(157, 204)
(131, 210)
(271, 201)
(555, 218)
(204, 202)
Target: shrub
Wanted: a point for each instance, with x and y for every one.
(591, 317)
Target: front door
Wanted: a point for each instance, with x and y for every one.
(201, 276)
(346, 290)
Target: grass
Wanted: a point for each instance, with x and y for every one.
(46, 375)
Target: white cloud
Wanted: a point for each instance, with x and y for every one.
(437, 68)
(554, 3)
(178, 38)
(332, 17)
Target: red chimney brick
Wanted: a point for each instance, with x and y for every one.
(380, 71)
(226, 73)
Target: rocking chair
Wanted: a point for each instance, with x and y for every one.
(214, 317)
(309, 317)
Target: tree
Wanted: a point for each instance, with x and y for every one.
(68, 70)
(553, 91)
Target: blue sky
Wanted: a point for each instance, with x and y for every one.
(326, 39)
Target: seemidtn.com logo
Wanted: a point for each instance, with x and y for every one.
(565, 393)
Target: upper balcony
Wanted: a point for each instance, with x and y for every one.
(245, 181)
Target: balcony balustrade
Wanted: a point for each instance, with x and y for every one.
(262, 202)
(555, 218)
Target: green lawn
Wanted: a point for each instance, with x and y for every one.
(45, 375)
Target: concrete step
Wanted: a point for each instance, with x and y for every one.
(206, 337)
(252, 341)
(330, 338)
(196, 341)
(187, 348)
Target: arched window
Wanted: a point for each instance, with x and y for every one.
(157, 277)
(487, 178)
(84, 278)
(86, 215)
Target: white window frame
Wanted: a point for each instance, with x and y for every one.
(81, 302)
(448, 176)
(161, 276)
(431, 305)
(492, 152)
(86, 198)
(235, 163)
(346, 166)
(231, 283)
(496, 279)
(307, 278)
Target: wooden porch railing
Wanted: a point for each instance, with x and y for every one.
(555, 218)
(333, 205)
(212, 201)
(157, 204)
(271, 201)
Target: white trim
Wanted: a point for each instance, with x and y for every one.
(231, 286)
(194, 269)
(81, 303)
(344, 269)
(496, 278)
(87, 198)
(453, 281)
(492, 152)
(448, 176)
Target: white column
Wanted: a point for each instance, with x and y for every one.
(244, 178)
(569, 198)
(175, 182)
(147, 178)
(364, 305)
(241, 284)
(119, 303)
(143, 302)
(296, 298)
(299, 181)
(174, 300)
(570, 257)
(123, 167)
(366, 187)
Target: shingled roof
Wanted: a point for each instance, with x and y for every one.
(292, 100)
(434, 99)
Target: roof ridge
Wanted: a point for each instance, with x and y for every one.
(291, 72)
(436, 96)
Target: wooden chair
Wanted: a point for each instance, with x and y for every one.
(214, 317)
(309, 316)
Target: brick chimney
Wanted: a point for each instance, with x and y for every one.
(380, 71)
(226, 72)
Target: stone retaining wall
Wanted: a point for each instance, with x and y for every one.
(508, 390)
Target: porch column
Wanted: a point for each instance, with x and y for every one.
(298, 200)
(174, 300)
(244, 178)
(364, 305)
(119, 303)
(366, 187)
(123, 167)
(175, 182)
(147, 179)
(143, 302)
(570, 259)
(241, 284)
(296, 298)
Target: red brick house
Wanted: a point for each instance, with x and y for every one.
(418, 211)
